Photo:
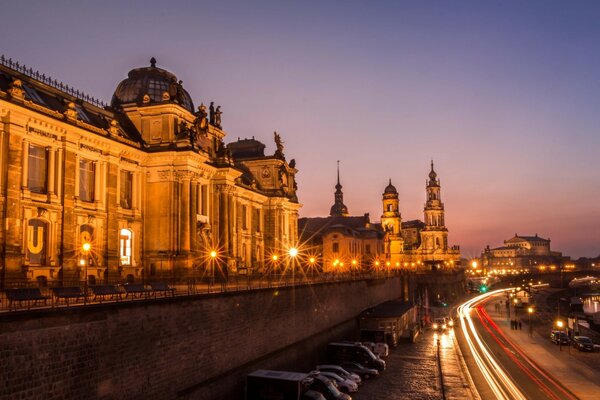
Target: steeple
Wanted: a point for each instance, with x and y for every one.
(338, 209)
(433, 181)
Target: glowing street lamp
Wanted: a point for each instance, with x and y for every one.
(529, 312)
(213, 258)
(86, 247)
(559, 325)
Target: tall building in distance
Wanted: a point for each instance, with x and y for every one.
(346, 241)
(147, 182)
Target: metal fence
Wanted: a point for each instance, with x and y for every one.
(188, 286)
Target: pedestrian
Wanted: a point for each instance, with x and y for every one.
(520, 325)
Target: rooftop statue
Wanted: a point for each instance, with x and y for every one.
(201, 123)
(218, 113)
(211, 109)
(279, 145)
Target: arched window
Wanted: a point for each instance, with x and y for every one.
(125, 247)
(37, 241)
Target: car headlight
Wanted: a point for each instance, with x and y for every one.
(444, 326)
(451, 323)
(435, 326)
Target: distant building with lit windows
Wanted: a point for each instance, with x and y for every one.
(148, 182)
(522, 254)
(344, 241)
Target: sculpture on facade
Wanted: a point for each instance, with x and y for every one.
(201, 123)
(218, 113)
(279, 145)
(211, 110)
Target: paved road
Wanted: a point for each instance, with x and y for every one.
(500, 367)
(413, 372)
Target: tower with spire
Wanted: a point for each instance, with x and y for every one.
(338, 209)
(391, 222)
(434, 236)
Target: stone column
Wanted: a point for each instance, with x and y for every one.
(134, 190)
(76, 195)
(97, 177)
(59, 175)
(223, 220)
(51, 170)
(184, 216)
(25, 166)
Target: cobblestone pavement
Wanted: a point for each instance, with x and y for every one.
(412, 373)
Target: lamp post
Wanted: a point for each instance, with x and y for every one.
(274, 258)
(311, 263)
(529, 312)
(560, 325)
(213, 259)
(293, 252)
(86, 247)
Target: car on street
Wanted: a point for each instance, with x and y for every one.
(340, 371)
(440, 324)
(344, 384)
(559, 337)
(360, 370)
(583, 343)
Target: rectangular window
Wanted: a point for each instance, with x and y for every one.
(204, 197)
(87, 170)
(336, 247)
(126, 189)
(37, 179)
(257, 220)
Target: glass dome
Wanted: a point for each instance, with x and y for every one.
(154, 82)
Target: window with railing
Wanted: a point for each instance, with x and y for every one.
(87, 171)
(37, 179)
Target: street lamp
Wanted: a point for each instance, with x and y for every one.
(213, 259)
(560, 325)
(293, 252)
(529, 312)
(86, 247)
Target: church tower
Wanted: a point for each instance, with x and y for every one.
(434, 235)
(338, 209)
(391, 222)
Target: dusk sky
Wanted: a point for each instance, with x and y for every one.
(504, 96)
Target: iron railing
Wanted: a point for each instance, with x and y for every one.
(22, 68)
(188, 286)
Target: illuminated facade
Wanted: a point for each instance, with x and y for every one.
(148, 182)
(344, 241)
(521, 254)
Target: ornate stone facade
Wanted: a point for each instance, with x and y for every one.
(148, 182)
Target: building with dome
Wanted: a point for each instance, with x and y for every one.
(148, 182)
(345, 241)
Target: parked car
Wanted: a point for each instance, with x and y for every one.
(354, 352)
(313, 395)
(559, 337)
(583, 343)
(359, 369)
(267, 384)
(379, 349)
(325, 386)
(340, 371)
(344, 384)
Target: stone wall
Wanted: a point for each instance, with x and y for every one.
(195, 347)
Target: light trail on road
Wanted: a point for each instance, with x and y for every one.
(500, 383)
